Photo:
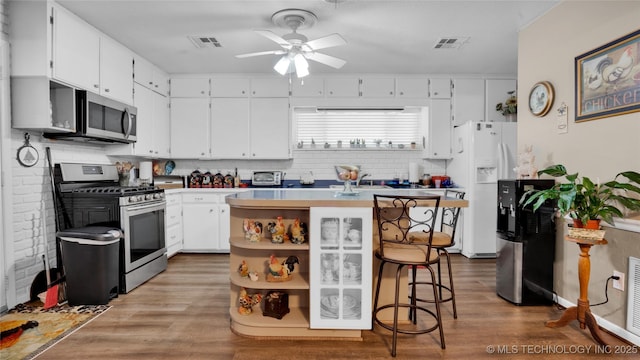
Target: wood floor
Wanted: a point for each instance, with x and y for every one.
(183, 313)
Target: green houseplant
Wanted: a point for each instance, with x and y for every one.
(510, 106)
(584, 199)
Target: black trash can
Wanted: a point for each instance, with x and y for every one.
(90, 258)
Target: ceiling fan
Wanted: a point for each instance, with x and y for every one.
(296, 48)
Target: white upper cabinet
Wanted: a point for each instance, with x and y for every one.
(190, 88)
(342, 87)
(437, 141)
(76, 51)
(497, 91)
(413, 87)
(230, 87)
(116, 71)
(190, 128)
(269, 128)
(375, 87)
(440, 88)
(47, 40)
(270, 87)
(256, 128)
(150, 76)
(468, 100)
(230, 128)
(308, 87)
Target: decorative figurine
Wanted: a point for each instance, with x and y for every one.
(526, 168)
(253, 275)
(247, 301)
(252, 230)
(243, 269)
(281, 271)
(291, 260)
(298, 232)
(276, 304)
(278, 231)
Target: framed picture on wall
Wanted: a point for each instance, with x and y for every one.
(608, 79)
(340, 267)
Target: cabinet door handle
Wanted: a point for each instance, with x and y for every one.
(96, 86)
(106, 90)
(210, 210)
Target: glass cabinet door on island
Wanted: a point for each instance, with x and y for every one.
(340, 268)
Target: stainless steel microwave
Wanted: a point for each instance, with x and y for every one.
(266, 178)
(101, 120)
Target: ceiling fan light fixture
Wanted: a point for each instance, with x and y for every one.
(282, 66)
(302, 66)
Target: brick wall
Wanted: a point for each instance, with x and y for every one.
(3, 20)
(31, 185)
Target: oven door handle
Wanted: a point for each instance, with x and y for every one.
(136, 208)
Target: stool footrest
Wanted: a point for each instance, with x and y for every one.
(406, 331)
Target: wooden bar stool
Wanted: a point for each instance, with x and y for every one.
(441, 241)
(404, 223)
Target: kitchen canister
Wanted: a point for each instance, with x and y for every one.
(146, 172)
(414, 173)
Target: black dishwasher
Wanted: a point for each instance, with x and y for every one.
(525, 243)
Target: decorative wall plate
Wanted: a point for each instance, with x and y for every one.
(541, 98)
(27, 154)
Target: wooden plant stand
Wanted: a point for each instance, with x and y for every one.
(582, 313)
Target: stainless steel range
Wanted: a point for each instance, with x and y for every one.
(91, 195)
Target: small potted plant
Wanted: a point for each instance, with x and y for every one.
(585, 200)
(510, 107)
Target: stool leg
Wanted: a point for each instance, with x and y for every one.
(435, 296)
(395, 311)
(375, 301)
(439, 277)
(412, 311)
(453, 292)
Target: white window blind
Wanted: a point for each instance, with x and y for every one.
(400, 126)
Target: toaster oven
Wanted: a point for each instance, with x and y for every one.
(266, 178)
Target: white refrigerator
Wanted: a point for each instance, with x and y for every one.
(483, 153)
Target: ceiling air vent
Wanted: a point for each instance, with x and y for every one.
(450, 42)
(204, 41)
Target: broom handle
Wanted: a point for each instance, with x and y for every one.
(45, 257)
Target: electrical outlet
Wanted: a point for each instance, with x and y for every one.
(618, 284)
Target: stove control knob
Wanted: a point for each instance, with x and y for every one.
(139, 198)
(157, 196)
(132, 199)
(148, 197)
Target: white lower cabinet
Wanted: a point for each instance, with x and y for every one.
(205, 222)
(173, 224)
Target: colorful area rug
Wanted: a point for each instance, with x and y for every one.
(29, 329)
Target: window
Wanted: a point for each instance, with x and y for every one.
(371, 126)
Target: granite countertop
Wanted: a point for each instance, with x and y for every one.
(302, 198)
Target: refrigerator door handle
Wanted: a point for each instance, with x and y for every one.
(500, 161)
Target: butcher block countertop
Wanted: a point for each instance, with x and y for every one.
(304, 199)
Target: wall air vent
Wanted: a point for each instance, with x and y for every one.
(450, 42)
(204, 41)
(633, 302)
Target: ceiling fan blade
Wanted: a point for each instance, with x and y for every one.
(272, 52)
(325, 59)
(275, 38)
(325, 42)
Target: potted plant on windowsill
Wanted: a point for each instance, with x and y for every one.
(585, 200)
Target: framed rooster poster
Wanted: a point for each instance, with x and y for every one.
(608, 79)
(340, 267)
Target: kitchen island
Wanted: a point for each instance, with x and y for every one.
(267, 205)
